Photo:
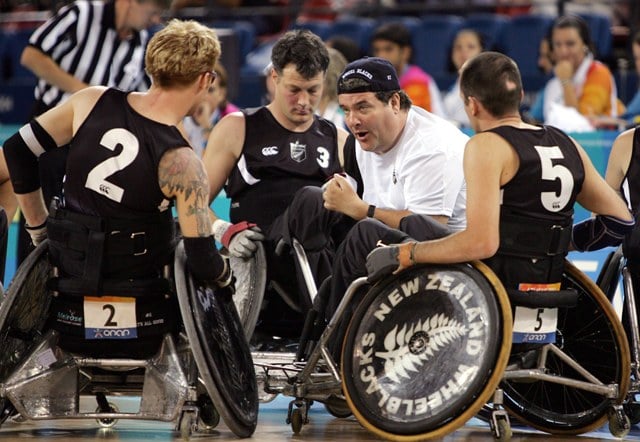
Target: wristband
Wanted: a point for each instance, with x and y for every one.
(371, 211)
(28, 227)
(406, 253)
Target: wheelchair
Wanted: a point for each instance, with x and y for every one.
(202, 371)
(615, 274)
(431, 347)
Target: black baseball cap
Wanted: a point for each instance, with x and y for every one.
(378, 74)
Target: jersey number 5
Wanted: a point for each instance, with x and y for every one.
(554, 201)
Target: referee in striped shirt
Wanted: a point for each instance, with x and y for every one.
(87, 43)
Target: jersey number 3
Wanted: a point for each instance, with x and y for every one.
(97, 177)
(554, 201)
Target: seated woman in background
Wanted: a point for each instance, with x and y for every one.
(545, 65)
(213, 107)
(581, 85)
(466, 44)
(632, 114)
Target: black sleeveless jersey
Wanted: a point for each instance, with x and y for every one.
(630, 186)
(630, 191)
(550, 174)
(537, 204)
(275, 163)
(112, 168)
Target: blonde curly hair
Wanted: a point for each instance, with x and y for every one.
(181, 51)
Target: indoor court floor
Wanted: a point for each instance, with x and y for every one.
(271, 428)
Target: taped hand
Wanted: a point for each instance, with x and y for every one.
(37, 233)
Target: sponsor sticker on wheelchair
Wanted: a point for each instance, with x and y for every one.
(110, 317)
(535, 325)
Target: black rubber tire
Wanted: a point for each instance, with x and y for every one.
(24, 310)
(220, 349)
(429, 332)
(592, 335)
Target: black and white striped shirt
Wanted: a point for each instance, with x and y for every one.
(82, 40)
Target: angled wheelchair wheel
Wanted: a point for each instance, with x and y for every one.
(425, 350)
(591, 334)
(609, 276)
(251, 282)
(24, 310)
(219, 348)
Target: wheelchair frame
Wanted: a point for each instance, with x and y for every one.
(319, 379)
(179, 383)
(614, 272)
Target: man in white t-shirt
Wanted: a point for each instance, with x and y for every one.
(405, 161)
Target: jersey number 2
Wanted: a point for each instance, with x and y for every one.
(97, 177)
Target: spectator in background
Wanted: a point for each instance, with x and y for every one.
(392, 41)
(86, 43)
(347, 46)
(329, 108)
(466, 44)
(545, 64)
(269, 17)
(213, 107)
(580, 82)
(632, 113)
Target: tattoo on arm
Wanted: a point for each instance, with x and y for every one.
(183, 174)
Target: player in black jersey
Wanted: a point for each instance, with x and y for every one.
(522, 183)
(127, 164)
(270, 158)
(623, 175)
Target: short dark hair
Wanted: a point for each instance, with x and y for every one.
(304, 49)
(394, 32)
(494, 80)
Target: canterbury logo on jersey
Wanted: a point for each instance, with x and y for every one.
(269, 151)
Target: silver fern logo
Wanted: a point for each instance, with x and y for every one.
(408, 348)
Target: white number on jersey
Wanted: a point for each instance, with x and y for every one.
(97, 178)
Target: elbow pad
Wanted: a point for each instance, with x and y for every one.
(599, 232)
(203, 259)
(22, 151)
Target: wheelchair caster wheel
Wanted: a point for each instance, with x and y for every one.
(619, 424)
(296, 420)
(186, 426)
(107, 422)
(209, 416)
(338, 407)
(504, 430)
(632, 410)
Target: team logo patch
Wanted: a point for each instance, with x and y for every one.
(270, 151)
(421, 346)
(298, 151)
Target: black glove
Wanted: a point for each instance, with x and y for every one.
(382, 261)
(390, 259)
